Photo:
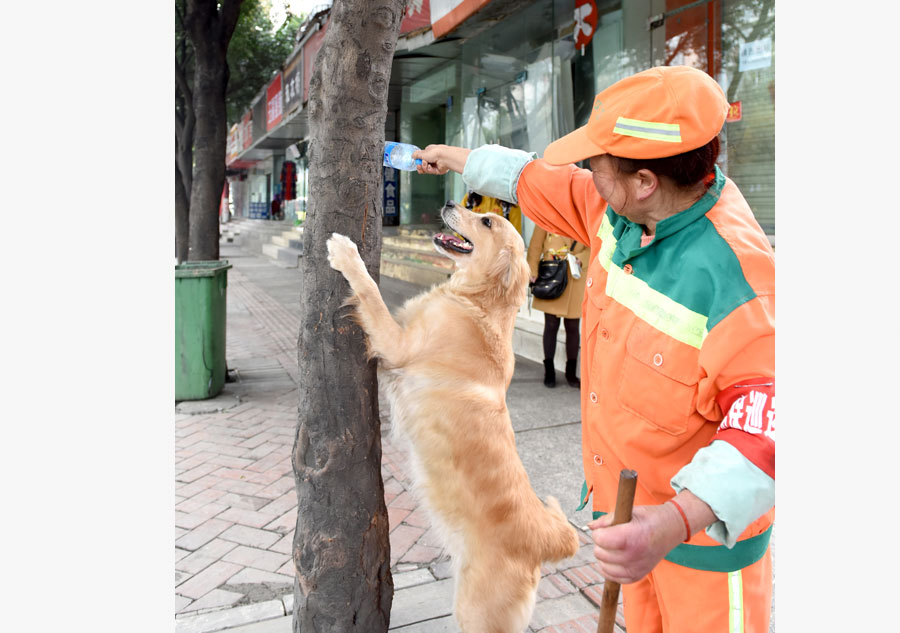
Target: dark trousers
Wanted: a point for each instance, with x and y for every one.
(573, 336)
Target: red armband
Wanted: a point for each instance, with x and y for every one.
(749, 422)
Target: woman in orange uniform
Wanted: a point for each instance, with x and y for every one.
(678, 371)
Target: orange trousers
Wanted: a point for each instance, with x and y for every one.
(676, 599)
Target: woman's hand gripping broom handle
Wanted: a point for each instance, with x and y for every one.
(624, 503)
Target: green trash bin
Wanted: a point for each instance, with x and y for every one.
(200, 289)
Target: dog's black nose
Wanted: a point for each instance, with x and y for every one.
(450, 204)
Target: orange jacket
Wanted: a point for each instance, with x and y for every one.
(674, 333)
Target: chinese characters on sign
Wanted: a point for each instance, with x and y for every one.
(734, 112)
(293, 84)
(273, 103)
(754, 55)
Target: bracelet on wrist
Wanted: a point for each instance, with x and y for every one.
(687, 525)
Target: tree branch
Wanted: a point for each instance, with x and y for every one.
(231, 10)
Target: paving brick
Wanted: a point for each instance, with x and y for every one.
(215, 599)
(584, 575)
(253, 537)
(419, 518)
(205, 581)
(421, 554)
(268, 477)
(240, 487)
(284, 545)
(285, 523)
(205, 556)
(231, 461)
(196, 473)
(405, 501)
(256, 576)
(191, 489)
(396, 516)
(256, 558)
(181, 602)
(282, 504)
(202, 534)
(243, 516)
(190, 520)
(278, 488)
(402, 538)
(554, 586)
(201, 499)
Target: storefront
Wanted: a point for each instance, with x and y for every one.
(524, 82)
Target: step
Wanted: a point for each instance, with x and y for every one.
(431, 258)
(418, 230)
(289, 257)
(414, 272)
(416, 242)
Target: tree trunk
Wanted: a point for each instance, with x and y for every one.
(210, 28)
(182, 220)
(341, 549)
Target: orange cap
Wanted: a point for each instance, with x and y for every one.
(658, 112)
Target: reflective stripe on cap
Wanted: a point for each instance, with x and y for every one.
(668, 132)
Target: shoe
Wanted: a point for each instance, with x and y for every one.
(571, 378)
(549, 374)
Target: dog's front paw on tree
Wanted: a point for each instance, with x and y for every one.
(343, 253)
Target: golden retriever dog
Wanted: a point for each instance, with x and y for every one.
(447, 361)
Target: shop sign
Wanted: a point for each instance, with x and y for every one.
(391, 191)
(258, 117)
(734, 112)
(274, 106)
(246, 131)
(310, 50)
(446, 15)
(417, 16)
(585, 22)
(755, 55)
(293, 84)
(232, 149)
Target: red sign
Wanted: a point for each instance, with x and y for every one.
(246, 135)
(734, 112)
(585, 22)
(274, 106)
(417, 16)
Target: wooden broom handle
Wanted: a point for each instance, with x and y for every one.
(624, 503)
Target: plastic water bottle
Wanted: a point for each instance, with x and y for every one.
(399, 156)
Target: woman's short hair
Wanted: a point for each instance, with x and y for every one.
(685, 170)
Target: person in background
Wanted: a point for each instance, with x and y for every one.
(474, 201)
(678, 363)
(546, 246)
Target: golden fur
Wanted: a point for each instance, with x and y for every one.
(447, 362)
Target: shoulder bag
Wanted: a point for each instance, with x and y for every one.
(552, 277)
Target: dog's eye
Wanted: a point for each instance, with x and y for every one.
(486, 221)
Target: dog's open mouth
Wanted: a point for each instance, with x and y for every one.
(454, 241)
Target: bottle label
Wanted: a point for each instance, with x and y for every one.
(388, 147)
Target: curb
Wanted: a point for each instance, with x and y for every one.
(237, 616)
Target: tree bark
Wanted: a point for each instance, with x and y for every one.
(210, 28)
(341, 549)
(182, 223)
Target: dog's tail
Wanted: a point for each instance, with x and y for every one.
(559, 539)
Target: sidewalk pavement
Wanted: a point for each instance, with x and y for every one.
(236, 506)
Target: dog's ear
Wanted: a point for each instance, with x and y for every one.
(510, 273)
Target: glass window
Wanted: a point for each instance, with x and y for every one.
(748, 78)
